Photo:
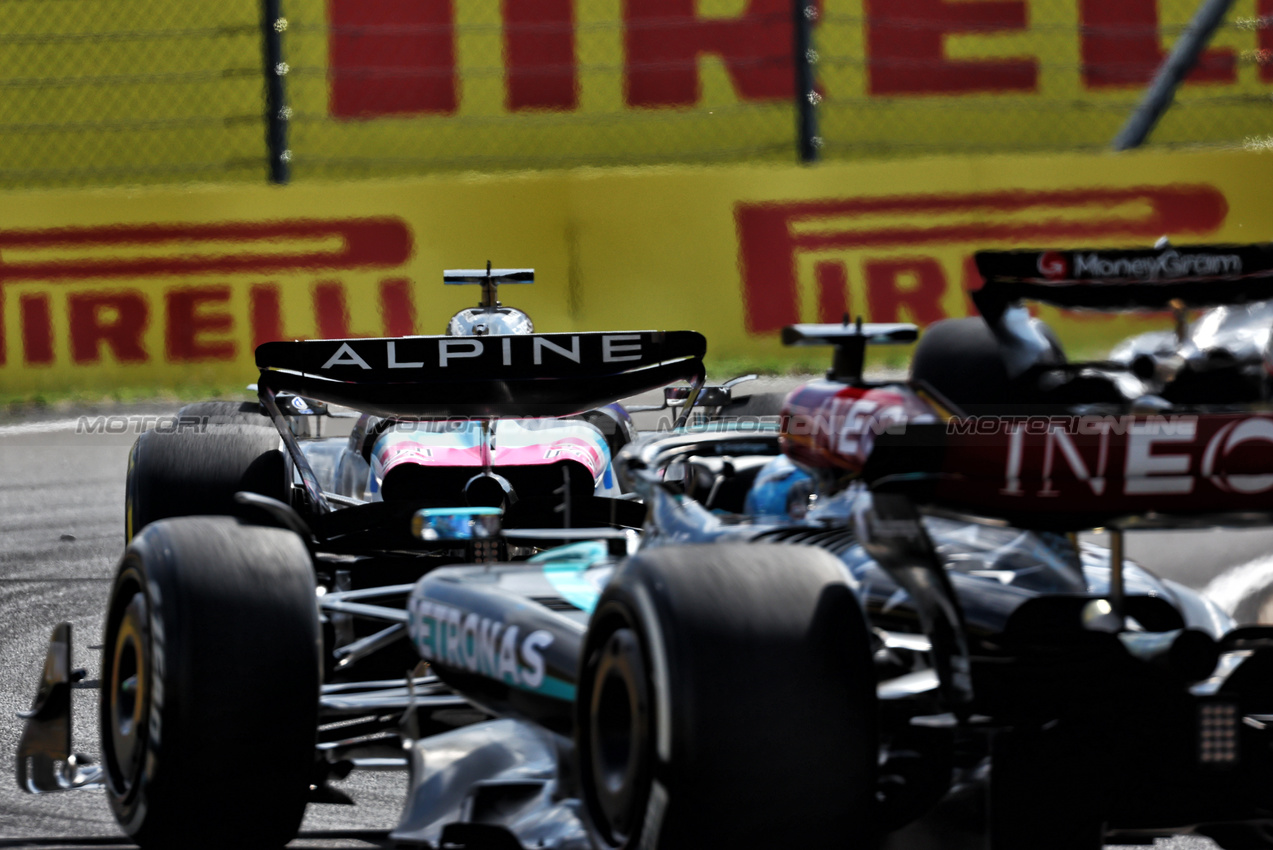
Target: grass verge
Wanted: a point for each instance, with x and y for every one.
(13, 403)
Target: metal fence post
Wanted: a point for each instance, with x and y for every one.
(277, 111)
(1184, 55)
(807, 139)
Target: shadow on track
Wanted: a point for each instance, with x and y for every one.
(374, 839)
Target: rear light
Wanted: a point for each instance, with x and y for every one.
(1218, 733)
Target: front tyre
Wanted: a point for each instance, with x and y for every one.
(210, 683)
(727, 699)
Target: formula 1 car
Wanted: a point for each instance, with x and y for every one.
(1228, 344)
(923, 639)
(260, 606)
(951, 653)
(387, 457)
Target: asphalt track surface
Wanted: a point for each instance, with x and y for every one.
(61, 533)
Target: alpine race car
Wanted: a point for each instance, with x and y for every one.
(386, 457)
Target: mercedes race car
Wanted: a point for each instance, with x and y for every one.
(918, 642)
(867, 626)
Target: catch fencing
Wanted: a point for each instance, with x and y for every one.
(111, 92)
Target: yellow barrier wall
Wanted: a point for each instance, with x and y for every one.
(684, 80)
(112, 92)
(160, 287)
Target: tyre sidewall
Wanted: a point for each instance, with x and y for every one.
(218, 746)
(730, 707)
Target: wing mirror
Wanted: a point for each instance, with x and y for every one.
(712, 396)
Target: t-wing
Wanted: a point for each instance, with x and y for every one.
(849, 341)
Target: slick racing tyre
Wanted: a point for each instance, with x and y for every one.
(1240, 836)
(196, 470)
(960, 359)
(1057, 807)
(726, 699)
(1256, 606)
(225, 413)
(210, 683)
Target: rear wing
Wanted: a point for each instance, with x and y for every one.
(849, 341)
(1097, 278)
(1069, 473)
(488, 376)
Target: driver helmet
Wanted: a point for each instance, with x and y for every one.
(483, 321)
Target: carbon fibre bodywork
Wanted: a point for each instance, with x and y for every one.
(1043, 689)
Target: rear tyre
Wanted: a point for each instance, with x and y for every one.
(1057, 807)
(726, 699)
(960, 359)
(1241, 836)
(224, 413)
(616, 428)
(209, 686)
(1256, 607)
(195, 471)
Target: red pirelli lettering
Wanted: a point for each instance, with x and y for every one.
(663, 40)
(1122, 46)
(772, 235)
(906, 41)
(116, 320)
(239, 247)
(397, 309)
(191, 313)
(914, 284)
(391, 57)
(37, 329)
(539, 44)
(833, 291)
